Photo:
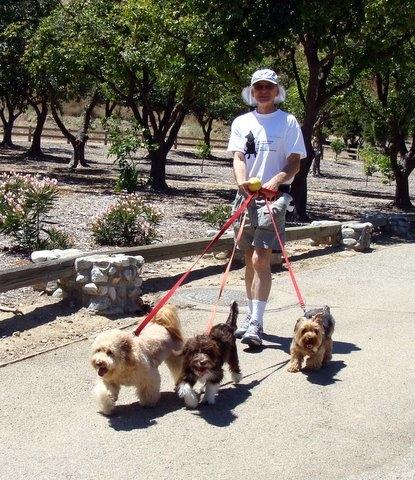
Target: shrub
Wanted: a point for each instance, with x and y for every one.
(373, 161)
(203, 150)
(128, 223)
(369, 164)
(338, 146)
(57, 239)
(124, 142)
(24, 202)
(218, 215)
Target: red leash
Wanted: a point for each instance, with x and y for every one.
(170, 293)
(284, 253)
(264, 192)
(225, 276)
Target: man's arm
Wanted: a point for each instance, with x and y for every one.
(239, 169)
(291, 168)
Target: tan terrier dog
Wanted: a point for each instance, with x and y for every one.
(312, 339)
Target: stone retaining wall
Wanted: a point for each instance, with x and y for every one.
(109, 284)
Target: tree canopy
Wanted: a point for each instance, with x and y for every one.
(164, 58)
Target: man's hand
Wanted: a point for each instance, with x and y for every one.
(272, 184)
(244, 189)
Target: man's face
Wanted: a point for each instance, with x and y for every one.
(264, 92)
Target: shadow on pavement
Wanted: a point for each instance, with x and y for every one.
(38, 316)
(325, 376)
(344, 347)
(283, 343)
(133, 416)
(159, 284)
(221, 414)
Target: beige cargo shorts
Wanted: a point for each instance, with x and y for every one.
(259, 230)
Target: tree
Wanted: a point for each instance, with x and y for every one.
(214, 100)
(148, 55)
(388, 95)
(336, 42)
(13, 78)
(348, 119)
(56, 68)
(18, 24)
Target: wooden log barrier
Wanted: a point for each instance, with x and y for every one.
(28, 275)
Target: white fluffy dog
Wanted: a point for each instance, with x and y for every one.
(121, 358)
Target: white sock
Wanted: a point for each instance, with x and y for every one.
(249, 307)
(258, 309)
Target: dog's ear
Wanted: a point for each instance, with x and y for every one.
(184, 350)
(297, 324)
(126, 344)
(326, 310)
(319, 318)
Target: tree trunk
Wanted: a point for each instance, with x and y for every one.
(79, 140)
(35, 149)
(78, 153)
(8, 124)
(158, 160)
(207, 131)
(319, 152)
(299, 185)
(402, 197)
(159, 131)
(313, 101)
(315, 98)
(397, 146)
(7, 134)
(109, 108)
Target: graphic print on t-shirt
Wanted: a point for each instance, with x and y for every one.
(250, 145)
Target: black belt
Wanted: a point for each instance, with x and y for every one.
(284, 188)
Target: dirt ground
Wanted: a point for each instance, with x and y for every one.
(342, 193)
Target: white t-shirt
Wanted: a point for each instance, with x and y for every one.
(266, 140)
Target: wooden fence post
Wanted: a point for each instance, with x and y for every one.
(29, 136)
(105, 137)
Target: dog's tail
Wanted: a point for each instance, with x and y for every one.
(233, 315)
(169, 319)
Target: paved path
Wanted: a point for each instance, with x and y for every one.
(354, 420)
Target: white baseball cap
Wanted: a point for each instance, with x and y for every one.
(269, 76)
(265, 74)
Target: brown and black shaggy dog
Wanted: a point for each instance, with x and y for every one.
(203, 360)
(312, 339)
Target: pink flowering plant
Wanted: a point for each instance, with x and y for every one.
(24, 202)
(128, 223)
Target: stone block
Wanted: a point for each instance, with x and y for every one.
(357, 235)
(98, 276)
(90, 289)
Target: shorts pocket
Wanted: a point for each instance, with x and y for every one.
(278, 210)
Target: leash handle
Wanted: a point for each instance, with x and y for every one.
(170, 293)
(284, 253)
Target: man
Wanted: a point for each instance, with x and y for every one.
(266, 143)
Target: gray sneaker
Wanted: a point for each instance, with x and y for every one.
(240, 331)
(253, 335)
